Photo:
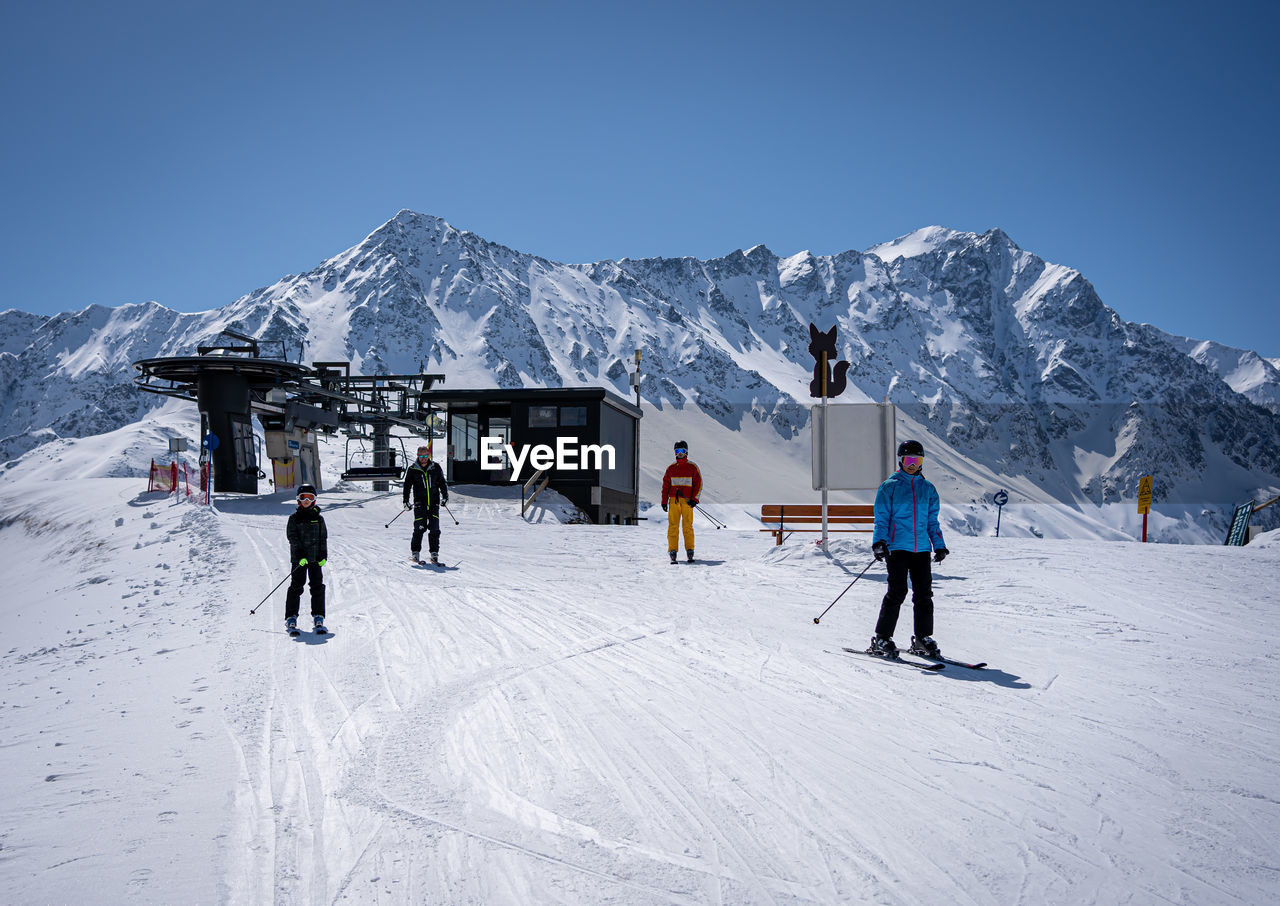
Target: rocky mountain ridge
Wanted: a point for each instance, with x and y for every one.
(1010, 366)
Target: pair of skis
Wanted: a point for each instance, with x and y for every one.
(320, 629)
(925, 663)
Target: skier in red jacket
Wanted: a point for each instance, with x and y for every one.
(681, 488)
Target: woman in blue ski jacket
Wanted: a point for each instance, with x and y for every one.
(906, 531)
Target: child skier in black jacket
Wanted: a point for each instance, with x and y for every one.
(308, 553)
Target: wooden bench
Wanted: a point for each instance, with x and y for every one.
(807, 517)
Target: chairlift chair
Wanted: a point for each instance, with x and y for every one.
(374, 473)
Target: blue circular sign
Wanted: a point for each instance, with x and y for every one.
(210, 442)
(1000, 498)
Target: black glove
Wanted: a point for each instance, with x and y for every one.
(880, 549)
(407, 505)
(940, 554)
(664, 508)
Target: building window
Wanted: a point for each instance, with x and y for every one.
(542, 416)
(464, 436)
(573, 416)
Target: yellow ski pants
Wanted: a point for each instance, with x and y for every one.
(679, 510)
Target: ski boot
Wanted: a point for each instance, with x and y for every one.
(435, 559)
(319, 627)
(690, 555)
(415, 558)
(291, 625)
(883, 647)
(673, 557)
(925, 647)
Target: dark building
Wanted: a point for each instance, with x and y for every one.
(230, 390)
(580, 422)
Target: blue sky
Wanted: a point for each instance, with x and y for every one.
(189, 153)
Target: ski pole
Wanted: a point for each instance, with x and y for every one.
(819, 617)
(397, 516)
(451, 516)
(274, 590)
(714, 521)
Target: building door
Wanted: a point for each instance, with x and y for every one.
(464, 447)
(499, 428)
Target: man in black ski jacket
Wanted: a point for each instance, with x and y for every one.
(425, 480)
(308, 553)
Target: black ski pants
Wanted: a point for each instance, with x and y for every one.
(903, 565)
(426, 522)
(301, 575)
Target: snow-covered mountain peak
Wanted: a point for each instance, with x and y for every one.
(793, 265)
(1246, 372)
(919, 242)
(408, 230)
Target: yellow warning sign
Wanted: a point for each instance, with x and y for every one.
(1144, 494)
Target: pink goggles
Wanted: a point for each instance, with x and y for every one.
(913, 461)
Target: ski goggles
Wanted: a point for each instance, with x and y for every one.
(913, 461)
(306, 498)
(682, 451)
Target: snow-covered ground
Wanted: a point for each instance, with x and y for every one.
(560, 716)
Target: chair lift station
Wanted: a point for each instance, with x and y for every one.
(294, 402)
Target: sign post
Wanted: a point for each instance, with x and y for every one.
(208, 444)
(825, 384)
(823, 454)
(1144, 501)
(999, 498)
(635, 384)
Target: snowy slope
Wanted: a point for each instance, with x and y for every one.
(562, 717)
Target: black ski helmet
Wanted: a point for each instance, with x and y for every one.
(910, 448)
(682, 445)
(307, 489)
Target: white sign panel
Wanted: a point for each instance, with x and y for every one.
(854, 446)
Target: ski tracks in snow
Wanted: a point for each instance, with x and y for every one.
(547, 724)
(546, 719)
